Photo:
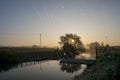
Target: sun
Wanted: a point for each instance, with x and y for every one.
(72, 40)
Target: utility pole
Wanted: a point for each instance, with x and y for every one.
(40, 39)
(106, 40)
(96, 50)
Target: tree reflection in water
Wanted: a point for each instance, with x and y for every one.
(70, 68)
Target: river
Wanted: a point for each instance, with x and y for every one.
(44, 70)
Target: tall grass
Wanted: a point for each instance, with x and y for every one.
(106, 67)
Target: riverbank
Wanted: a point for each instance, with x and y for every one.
(106, 67)
(9, 58)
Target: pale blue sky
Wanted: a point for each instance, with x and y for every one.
(21, 21)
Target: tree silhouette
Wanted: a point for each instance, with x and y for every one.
(71, 44)
(93, 45)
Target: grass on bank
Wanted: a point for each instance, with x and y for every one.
(106, 67)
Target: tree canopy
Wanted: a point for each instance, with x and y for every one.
(71, 44)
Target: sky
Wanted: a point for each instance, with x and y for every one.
(22, 21)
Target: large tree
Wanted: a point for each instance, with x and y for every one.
(71, 44)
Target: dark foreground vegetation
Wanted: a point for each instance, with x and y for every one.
(106, 67)
(9, 59)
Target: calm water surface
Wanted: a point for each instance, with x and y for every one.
(43, 70)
